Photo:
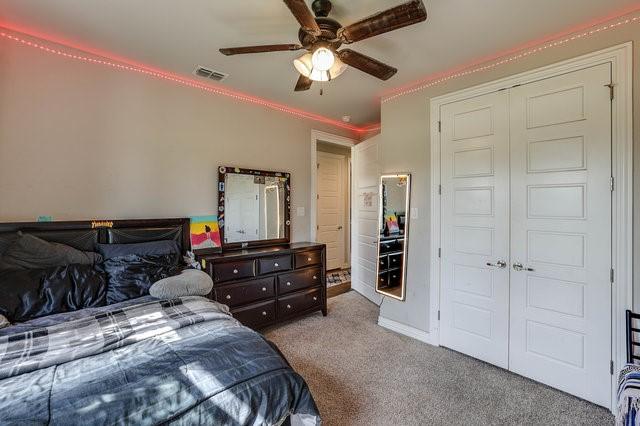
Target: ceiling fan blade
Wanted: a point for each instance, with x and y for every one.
(400, 16)
(259, 49)
(366, 64)
(303, 83)
(304, 16)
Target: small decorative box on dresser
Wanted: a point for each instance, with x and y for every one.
(267, 285)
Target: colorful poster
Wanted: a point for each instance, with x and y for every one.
(205, 233)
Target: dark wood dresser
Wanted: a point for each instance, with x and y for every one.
(267, 285)
(390, 261)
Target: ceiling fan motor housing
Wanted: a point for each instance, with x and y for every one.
(329, 29)
(321, 8)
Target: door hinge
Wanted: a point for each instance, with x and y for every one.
(439, 189)
(439, 126)
(611, 87)
(611, 275)
(439, 252)
(317, 165)
(317, 196)
(611, 367)
(612, 183)
(438, 315)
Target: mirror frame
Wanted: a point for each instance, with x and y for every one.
(223, 171)
(405, 245)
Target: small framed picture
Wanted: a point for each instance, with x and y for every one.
(205, 234)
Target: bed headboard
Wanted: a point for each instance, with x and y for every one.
(84, 234)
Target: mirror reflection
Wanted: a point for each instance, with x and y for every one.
(393, 232)
(254, 207)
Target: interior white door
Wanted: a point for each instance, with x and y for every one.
(561, 232)
(331, 207)
(243, 209)
(475, 227)
(364, 228)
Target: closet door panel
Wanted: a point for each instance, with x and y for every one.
(561, 232)
(475, 225)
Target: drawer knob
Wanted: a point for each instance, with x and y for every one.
(228, 296)
(315, 278)
(276, 264)
(235, 271)
(264, 313)
(289, 283)
(264, 289)
(393, 276)
(394, 260)
(381, 279)
(288, 306)
(308, 259)
(315, 298)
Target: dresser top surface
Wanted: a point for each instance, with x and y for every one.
(265, 251)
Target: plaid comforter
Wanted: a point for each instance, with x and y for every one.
(183, 361)
(33, 350)
(628, 410)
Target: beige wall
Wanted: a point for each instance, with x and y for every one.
(405, 146)
(80, 141)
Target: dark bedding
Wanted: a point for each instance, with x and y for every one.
(184, 361)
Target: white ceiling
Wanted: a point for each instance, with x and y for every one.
(177, 35)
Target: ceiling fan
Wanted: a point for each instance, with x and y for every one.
(322, 36)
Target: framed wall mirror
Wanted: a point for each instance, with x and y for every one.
(253, 207)
(393, 227)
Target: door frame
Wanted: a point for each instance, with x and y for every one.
(320, 136)
(620, 59)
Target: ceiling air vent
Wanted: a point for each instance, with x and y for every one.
(201, 71)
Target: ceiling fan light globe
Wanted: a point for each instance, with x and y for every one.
(323, 59)
(304, 65)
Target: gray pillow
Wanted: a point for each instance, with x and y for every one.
(191, 282)
(31, 252)
(4, 322)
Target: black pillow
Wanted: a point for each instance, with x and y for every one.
(31, 252)
(153, 248)
(131, 276)
(32, 293)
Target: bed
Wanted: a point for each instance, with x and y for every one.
(628, 396)
(143, 361)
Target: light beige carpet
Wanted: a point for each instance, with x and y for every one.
(362, 374)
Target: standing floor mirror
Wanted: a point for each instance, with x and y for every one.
(393, 227)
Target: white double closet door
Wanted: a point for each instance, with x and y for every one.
(526, 230)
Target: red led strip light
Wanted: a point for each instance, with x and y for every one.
(432, 80)
(111, 62)
(559, 39)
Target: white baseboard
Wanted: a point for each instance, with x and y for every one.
(407, 330)
(366, 291)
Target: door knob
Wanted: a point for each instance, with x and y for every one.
(339, 228)
(520, 267)
(499, 264)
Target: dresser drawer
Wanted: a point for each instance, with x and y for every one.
(246, 292)
(256, 315)
(299, 280)
(395, 260)
(383, 279)
(395, 277)
(296, 303)
(308, 258)
(383, 262)
(274, 264)
(233, 270)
